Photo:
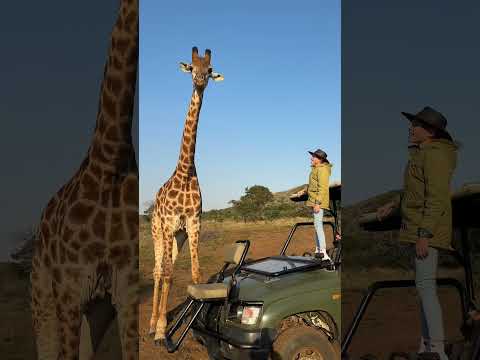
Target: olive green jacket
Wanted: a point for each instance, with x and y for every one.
(425, 204)
(318, 186)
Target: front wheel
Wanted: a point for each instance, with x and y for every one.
(304, 343)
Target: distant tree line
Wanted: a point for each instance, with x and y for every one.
(257, 203)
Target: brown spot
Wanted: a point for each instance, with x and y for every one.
(66, 298)
(132, 224)
(120, 255)
(93, 252)
(116, 197)
(172, 194)
(53, 252)
(117, 231)
(122, 45)
(63, 255)
(126, 106)
(131, 20)
(108, 104)
(57, 275)
(112, 134)
(72, 256)
(89, 187)
(176, 183)
(83, 235)
(196, 197)
(95, 169)
(67, 234)
(130, 192)
(46, 260)
(108, 149)
(76, 245)
(73, 274)
(114, 84)
(98, 225)
(80, 213)
(133, 279)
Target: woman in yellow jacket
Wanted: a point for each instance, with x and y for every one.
(426, 212)
(319, 197)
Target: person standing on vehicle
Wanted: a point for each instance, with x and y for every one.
(426, 212)
(319, 197)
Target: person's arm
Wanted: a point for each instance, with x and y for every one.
(437, 192)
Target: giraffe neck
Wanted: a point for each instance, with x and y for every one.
(112, 147)
(186, 161)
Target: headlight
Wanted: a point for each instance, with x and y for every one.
(245, 314)
(250, 314)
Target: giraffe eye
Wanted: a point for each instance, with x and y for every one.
(210, 70)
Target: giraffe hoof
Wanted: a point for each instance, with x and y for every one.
(159, 342)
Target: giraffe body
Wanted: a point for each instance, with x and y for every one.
(178, 204)
(87, 244)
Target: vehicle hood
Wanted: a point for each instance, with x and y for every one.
(254, 287)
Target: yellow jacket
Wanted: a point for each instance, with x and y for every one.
(426, 207)
(318, 186)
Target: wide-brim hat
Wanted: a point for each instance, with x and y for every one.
(430, 117)
(318, 153)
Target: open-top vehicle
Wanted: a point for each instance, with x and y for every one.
(466, 223)
(284, 306)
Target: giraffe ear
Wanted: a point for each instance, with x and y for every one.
(185, 67)
(216, 76)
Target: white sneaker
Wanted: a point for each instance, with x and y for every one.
(439, 348)
(424, 346)
(325, 255)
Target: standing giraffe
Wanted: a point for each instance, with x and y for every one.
(178, 204)
(87, 243)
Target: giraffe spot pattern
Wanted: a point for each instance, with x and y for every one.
(80, 213)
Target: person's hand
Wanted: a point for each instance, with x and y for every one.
(385, 210)
(316, 209)
(422, 248)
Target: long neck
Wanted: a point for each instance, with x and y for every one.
(112, 142)
(186, 161)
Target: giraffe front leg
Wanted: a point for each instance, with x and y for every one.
(193, 230)
(157, 276)
(45, 322)
(167, 273)
(68, 309)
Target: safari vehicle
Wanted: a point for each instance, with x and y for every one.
(284, 306)
(466, 223)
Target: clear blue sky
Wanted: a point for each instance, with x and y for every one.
(280, 96)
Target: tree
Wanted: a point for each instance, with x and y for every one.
(251, 205)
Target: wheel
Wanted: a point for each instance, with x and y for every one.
(304, 343)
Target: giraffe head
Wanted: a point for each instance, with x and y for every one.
(201, 69)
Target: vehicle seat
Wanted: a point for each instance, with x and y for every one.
(232, 256)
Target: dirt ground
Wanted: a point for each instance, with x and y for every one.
(266, 239)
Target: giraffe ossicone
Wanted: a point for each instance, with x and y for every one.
(178, 203)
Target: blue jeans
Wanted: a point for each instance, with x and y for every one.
(430, 310)
(318, 223)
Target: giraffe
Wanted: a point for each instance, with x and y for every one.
(87, 244)
(178, 204)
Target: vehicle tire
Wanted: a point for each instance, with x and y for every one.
(304, 343)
